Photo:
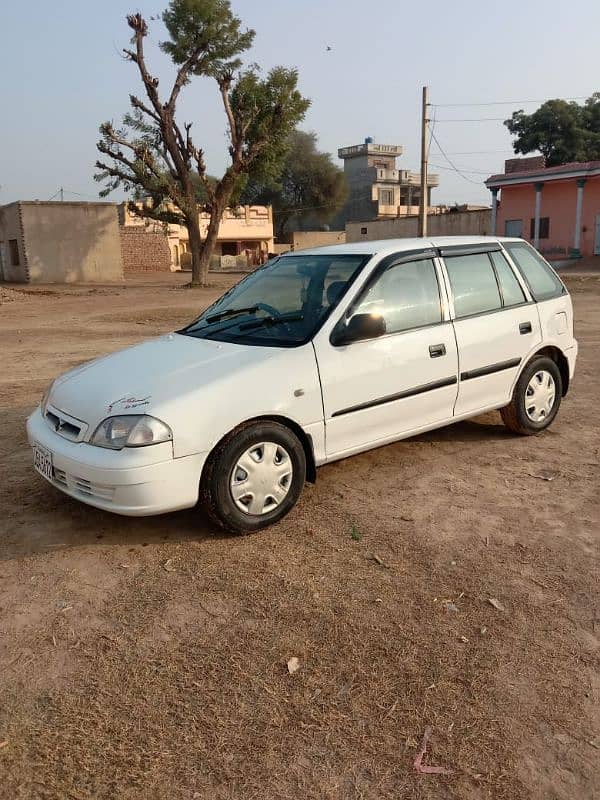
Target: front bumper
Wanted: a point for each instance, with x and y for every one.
(134, 481)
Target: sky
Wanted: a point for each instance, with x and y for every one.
(61, 75)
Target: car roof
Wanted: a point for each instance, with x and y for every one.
(387, 246)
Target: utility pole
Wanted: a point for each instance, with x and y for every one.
(62, 196)
(423, 201)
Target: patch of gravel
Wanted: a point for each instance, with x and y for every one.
(11, 295)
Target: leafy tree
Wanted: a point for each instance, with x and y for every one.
(152, 155)
(561, 131)
(309, 187)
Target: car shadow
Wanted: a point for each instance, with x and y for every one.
(487, 427)
(40, 519)
(53, 522)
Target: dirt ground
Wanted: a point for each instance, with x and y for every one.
(147, 657)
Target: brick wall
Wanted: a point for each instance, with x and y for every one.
(144, 251)
(530, 164)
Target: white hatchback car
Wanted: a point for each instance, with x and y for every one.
(316, 356)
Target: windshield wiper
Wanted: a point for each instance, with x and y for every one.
(231, 312)
(269, 322)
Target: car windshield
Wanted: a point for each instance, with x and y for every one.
(282, 304)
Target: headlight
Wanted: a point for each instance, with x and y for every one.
(46, 398)
(130, 430)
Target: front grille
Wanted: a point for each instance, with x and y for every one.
(65, 426)
(81, 486)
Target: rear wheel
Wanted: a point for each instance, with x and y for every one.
(254, 477)
(536, 398)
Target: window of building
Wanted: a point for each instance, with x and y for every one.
(406, 295)
(229, 248)
(473, 284)
(386, 197)
(544, 228)
(512, 293)
(13, 247)
(540, 277)
(513, 227)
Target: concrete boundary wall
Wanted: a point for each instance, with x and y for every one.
(461, 223)
(61, 242)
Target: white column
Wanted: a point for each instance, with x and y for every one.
(578, 213)
(494, 210)
(538, 210)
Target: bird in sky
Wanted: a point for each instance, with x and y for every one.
(328, 48)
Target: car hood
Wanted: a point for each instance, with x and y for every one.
(143, 378)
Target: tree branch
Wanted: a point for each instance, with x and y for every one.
(234, 133)
(182, 77)
(140, 29)
(116, 172)
(137, 103)
(151, 212)
(142, 153)
(181, 141)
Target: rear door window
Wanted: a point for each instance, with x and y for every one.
(540, 277)
(512, 293)
(473, 283)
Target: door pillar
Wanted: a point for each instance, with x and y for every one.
(494, 210)
(576, 253)
(538, 211)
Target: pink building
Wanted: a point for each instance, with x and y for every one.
(557, 209)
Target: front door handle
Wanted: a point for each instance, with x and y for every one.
(437, 350)
(525, 327)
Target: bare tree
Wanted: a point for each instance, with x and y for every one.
(155, 158)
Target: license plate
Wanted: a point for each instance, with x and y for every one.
(42, 461)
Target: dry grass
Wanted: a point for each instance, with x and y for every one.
(147, 658)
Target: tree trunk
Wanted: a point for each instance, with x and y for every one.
(209, 244)
(199, 266)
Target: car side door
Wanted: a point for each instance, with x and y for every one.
(378, 389)
(496, 324)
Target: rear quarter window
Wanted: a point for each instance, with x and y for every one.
(541, 279)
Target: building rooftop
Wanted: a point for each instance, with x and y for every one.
(574, 169)
(370, 148)
(78, 203)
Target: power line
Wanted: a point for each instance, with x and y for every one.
(500, 103)
(79, 194)
(454, 167)
(478, 152)
(62, 191)
(474, 119)
(466, 171)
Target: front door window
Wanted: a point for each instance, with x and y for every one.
(405, 295)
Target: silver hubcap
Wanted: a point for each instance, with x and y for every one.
(540, 395)
(261, 478)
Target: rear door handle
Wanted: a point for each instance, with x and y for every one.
(525, 327)
(437, 350)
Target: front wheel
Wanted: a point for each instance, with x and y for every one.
(536, 398)
(254, 477)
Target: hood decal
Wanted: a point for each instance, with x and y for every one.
(126, 403)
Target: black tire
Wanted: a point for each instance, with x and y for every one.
(515, 415)
(215, 490)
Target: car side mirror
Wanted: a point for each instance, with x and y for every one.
(359, 327)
